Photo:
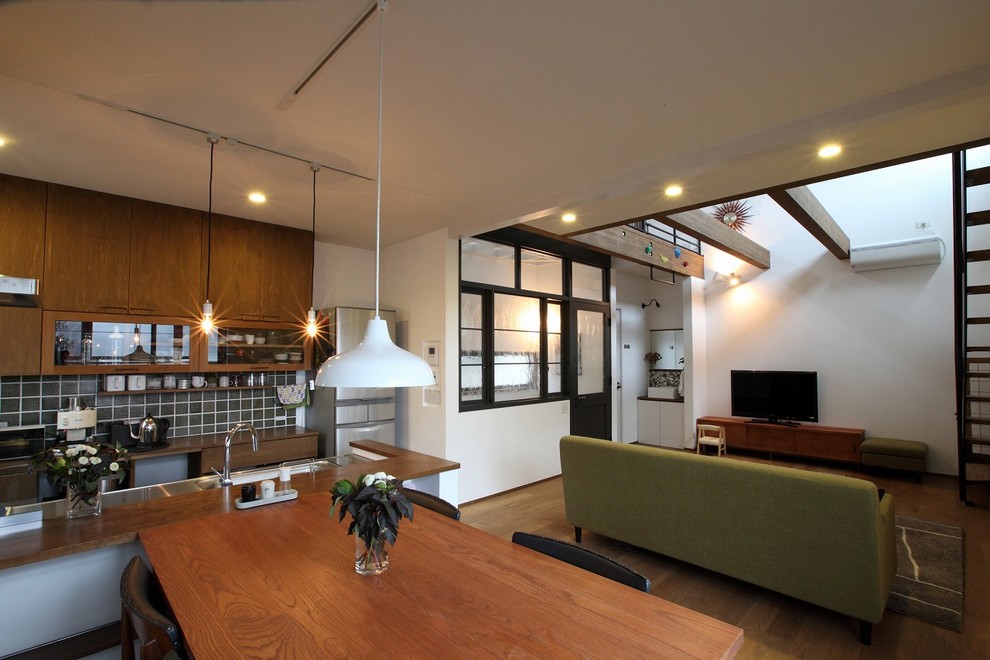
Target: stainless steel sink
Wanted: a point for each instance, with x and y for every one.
(199, 484)
(56, 508)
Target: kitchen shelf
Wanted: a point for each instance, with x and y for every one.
(174, 390)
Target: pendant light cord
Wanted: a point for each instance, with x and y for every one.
(212, 139)
(382, 6)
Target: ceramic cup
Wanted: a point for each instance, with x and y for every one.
(224, 381)
(168, 382)
(249, 339)
(183, 383)
(248, 493)
(114, 383)
(198, 381)
(267, 489)
(136, 382)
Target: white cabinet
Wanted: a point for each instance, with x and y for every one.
(660, 423)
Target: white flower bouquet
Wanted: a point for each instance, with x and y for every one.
(81, 466)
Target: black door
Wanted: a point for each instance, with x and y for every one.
(590, 372)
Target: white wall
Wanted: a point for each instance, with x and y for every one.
(629, 292)
(504, 448)
(414, 283)
(343, 276)
(881, 341)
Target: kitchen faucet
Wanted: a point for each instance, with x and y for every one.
(225, 479)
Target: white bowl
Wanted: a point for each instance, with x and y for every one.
(235, 337)
(259, 340)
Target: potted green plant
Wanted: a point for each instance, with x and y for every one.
(376, 505)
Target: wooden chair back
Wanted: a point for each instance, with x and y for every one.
(432, 502)
(144, 616)
(584, 558)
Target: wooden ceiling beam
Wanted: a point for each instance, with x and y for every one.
(707, 229)
(636, 246)
(803, 206)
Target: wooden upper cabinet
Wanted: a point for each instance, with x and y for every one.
(259, 271)
(289, 286)
(22, 221)
(88, 241)
(166, 260)
(22, 254)
(235, 268)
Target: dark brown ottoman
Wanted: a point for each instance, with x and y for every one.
(894, 454)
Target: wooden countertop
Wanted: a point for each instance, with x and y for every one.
(278, 581)
(59, 537)
(194, 443)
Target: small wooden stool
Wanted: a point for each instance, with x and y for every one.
(895, 454)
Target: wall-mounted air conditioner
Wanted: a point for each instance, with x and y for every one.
(920, 251)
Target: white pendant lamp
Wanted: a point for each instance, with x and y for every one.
(376, 361)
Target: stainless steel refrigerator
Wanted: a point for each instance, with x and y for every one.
(343, 414)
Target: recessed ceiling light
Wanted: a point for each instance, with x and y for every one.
(568, 217)
(673, 190)
(257, 197)
(830, 150)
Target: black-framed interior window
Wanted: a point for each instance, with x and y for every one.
(513, 317)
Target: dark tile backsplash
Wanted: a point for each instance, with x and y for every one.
(665, 377)
(28, 400)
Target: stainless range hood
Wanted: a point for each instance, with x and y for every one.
(18, 291)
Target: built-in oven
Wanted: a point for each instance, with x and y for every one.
(18, 444)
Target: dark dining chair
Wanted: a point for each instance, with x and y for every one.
(432, 502)
(143, 616)
(584, 558)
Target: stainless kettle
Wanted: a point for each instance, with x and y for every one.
(150, 430)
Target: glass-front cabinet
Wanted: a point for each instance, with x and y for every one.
(242, 346)
(77, 343)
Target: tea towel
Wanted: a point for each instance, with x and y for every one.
(293, 396)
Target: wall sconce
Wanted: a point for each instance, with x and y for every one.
(653, 301)
(731, 279)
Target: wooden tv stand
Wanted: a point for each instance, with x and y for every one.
(808, 440)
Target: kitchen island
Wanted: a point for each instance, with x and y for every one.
(69, 570)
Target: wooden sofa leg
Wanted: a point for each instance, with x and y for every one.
(577, 534)
(865, 632)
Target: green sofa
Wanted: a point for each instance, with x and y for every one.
(821, 538)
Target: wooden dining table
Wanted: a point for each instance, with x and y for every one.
(278, 581)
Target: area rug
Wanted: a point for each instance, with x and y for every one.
(929, 580)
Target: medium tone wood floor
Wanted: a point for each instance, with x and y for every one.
(777, 626)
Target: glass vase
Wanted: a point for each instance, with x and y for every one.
(79, 503)
(370, 559)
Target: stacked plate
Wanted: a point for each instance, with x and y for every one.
(295, 356)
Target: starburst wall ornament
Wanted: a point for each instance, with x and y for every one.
(734, 215)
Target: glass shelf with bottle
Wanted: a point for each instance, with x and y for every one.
(78, 343)
(257, 347)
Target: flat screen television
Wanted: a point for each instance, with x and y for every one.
(777, 396)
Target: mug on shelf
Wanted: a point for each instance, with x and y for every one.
(198, 381)
(114, 383)
(136, 382)
(168, 382)
(224, 381)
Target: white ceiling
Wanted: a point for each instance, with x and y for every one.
(495, 112)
